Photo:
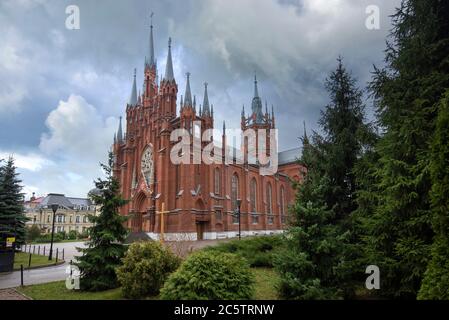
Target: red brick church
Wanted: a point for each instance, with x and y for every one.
(200, 200)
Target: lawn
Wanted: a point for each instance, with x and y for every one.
(58, 291)
(266, 280)
(36, 260)
(266, 284)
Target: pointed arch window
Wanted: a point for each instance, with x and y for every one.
(217, 181)
(270, 218)
(282, 205)
(234, 196)
(253, 200)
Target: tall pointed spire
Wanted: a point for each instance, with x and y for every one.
(151, 62)
(256, 91)
(169, 67)
(206, 110)
(224, 127)
(243, 111)
(119, 132)
(133, 97)
(188, 94)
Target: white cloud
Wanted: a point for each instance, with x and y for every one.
(76, 129)
(29, 161)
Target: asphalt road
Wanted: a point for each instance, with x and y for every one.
(43, 275)
(56, 273)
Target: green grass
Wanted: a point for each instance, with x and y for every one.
(266, 284)
(266, 280)
(58, 291)
(36, 260)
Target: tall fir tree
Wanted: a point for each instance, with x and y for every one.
(105, 247)
(406, 93)
(317, 266)
(436, 280)
(12, 211)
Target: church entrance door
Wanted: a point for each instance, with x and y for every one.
(200, 230)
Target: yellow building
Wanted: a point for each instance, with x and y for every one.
(72, 213)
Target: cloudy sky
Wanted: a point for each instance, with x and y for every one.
(62, 91)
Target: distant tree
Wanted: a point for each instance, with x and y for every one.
(105, 247)
(33, 233)
(12, 212)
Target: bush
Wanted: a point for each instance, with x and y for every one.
(33, 233)
(210, 275)
(145, 268)
(258, 251)
(72, 235)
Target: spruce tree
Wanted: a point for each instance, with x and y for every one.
(436, 280)
(105, 247)
(406, 93)
(12, 212)
(323, 232)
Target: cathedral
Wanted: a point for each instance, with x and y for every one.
(196, 200)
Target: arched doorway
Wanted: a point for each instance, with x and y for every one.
(200, 219)
(139, 211)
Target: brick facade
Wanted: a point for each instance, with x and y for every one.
(199, 198)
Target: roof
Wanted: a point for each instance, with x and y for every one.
(63, 201)
(289, 156)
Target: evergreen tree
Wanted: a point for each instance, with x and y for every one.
(105, 247)
(436, 281)
(406, 94)
(317, 265)
(12, 212)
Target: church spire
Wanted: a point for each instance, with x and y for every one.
(151, 62)
(169, 67)
(256, 91)
(188, 94)
(119, 132)
(206, 110)
(133, 97)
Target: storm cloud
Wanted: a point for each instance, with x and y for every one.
(62, 91)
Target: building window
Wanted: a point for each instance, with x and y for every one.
(178, 178)
(269, 199)
(217, 181)
(34, 219)
(77, 219)
(85, 219)
(48, 219)
(269, 204)
(59, 218)
(234, 197)
(70, 219)
(282, 205)
(255, 218)
(253, 195)
(218, 215)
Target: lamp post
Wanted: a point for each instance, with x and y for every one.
(239, 203)
(54, 207)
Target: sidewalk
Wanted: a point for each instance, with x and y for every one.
(11, 294)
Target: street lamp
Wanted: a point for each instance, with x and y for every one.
(239, 203)
(54, 207)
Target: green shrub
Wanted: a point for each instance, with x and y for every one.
(210, 275)
(72, 235)
(145, 268)
(258, 251)
(33, 233)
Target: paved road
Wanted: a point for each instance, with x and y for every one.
(56, 273)
(43, 275)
